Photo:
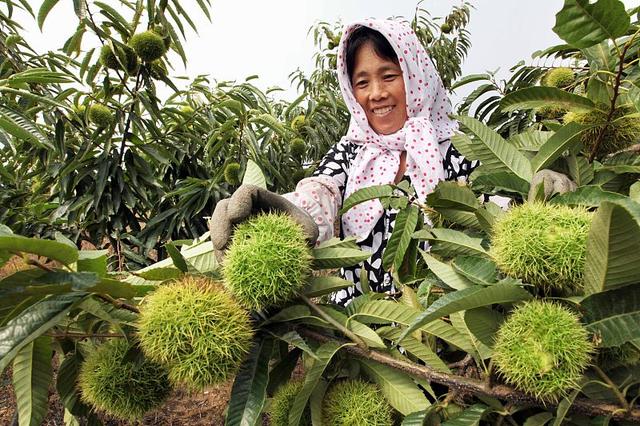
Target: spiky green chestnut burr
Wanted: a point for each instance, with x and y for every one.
(297, 148)
(232, 174)
(109, 60)
(120, 385)
(100, 115)
(561, 77)
(551, 111)
(197, 330)
(148, 45)
(267, 262)
(356, 403)
(543, 245)
(627, 354)
(298, 122)
(622, 132)
(282, 402)
(542, 349)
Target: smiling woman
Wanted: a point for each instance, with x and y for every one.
(399, 130)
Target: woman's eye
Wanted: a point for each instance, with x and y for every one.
(360, 84)
(390, 77)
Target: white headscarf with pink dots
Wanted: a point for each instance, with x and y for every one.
(428, 109)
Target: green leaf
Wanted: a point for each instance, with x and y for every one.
(177, 258)
(445, 272)
(370, 337)
(93, 261)
(320, 286)
(450, 195)
(325, 353)
(613, 247)
(564, 139)
(249, 390)
(32, 323)
(337, 257)
(450, 243)
(634, 192)
(50, 249)
(291, 313)
(483, 323)
(406, 221)
(66, 385)
(294, 339)
(614, 323)
(478, 270)
(588, 196)
(386, 312)
(580, 170)
(398, 388)
(44, 10)
(253, 175)
(480, 350)
(415, 348)
(366, 194)
(539, 419)
(471, 416)
(31, 377)
(160, 274)
(583, 24)
(484, 179)
(539, 96)
(495, 152)
(316, 401)
(469, 298)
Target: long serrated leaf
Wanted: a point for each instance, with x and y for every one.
(50, 249)
(584, 24)
(32, 323)
(253, 175)
(32, 374)
(249, 390)
(21, 127)
(370, 337)
(44, 10)
(415, 348)
(496, 151)
(445, 272)
(366, 194)
(614, 323)
(479, 270)
(613, 247)
(405, 225)
(564, 139)
(398, 388)
(386, 312)
(320, 286)
(337, 257)
(471, 416)
(449, 243)
(325, 353)
(588, 196)
(451, 195)
(469, 298)
(539, 96)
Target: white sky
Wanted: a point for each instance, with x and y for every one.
(270, 38)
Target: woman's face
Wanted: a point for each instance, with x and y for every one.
(378, 86)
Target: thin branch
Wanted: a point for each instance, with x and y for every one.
(82, 335)
(118, 304)
(616, 93)
(34, 262)
(614, 388)
(477, 387)
(344, 330)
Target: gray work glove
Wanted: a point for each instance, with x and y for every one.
(551, 182)
(248, 200)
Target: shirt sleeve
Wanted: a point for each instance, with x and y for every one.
(456, 167)
(321, 194)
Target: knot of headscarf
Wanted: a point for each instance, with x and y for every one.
(378, 160)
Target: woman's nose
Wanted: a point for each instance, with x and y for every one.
(378, 91)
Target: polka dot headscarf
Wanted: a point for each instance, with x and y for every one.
(428, 109)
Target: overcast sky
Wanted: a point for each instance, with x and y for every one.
(270, 38)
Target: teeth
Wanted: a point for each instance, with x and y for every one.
(382, 111)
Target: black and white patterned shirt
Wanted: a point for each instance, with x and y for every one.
(336, 164)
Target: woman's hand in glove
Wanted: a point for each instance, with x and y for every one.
(552, 182)
(251, 199)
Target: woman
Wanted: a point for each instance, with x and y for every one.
(400, 129)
